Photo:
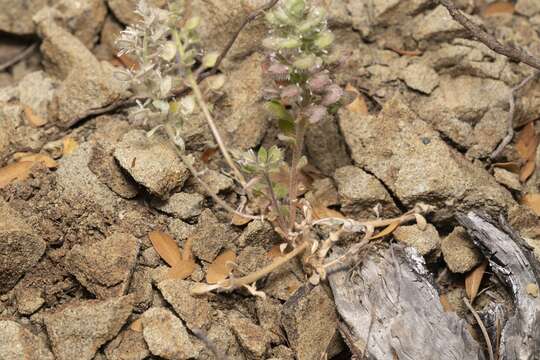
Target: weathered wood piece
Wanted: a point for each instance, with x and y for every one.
(393, 310)
(514, 264)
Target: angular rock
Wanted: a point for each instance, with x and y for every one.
(128, 345)
(508, 179)
(243, 90)
(20, 247)
(409, 157)
(425, 241)
(36, 90)
(420, 77)
(459, 251)
(436, 24)
(105, 268)
(141, 288)
(87, 84)
(258, 233)
(18, 343)
(251, 337)
(269, 316)
(488, 133)
(182, 205)
(224, 339)
(124, 10)
(78, 330)
(528, 7)
(310, 321)
(84, 20)
(29, 300)
(180, 230)
(151, 162)
(166, 336)
(360, 192)
(215, 180)
(195, 311)
(210, 236)
(16, 17)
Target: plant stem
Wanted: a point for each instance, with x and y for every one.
(293, 171)
(275, 203)
(210, 120)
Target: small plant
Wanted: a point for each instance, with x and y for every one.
(300, 93)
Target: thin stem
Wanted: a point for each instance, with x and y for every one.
(210, 120)
(236, 283)
(293, 171)
(482, 328)
(275, 203)
(194, 173)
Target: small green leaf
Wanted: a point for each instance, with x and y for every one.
(296, 7)
(280, 190)
(324, 40)
(192, 23)
(210, 59)
(278, 111)
(262, 155)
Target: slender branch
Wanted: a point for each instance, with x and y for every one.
(510, 51)
(210, 120)
(18, 57)
(510, 130)
(236, 283)
(482, 328)
(275, 203)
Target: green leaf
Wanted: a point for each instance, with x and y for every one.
(324, 40)
(280, 190)
(210, 60)
(192, 23)
(262, 155)
(278, 111)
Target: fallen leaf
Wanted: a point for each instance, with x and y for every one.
(220, 269)
(208, 154)
(18, 171)
(358, 105)
(33, 119)
(275, 252)
(166, 247)
(240, 220)
(473, 280)
(526, 145)
(45, 159)
(186, 266)
(512, 166)
(69, 146)
(498, 8)
(447, 307)
(387, 230)
(137, 325)
(533, 202)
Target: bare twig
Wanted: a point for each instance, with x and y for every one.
(482, 328)
(510, 131)
(510, 51)
(18, 57)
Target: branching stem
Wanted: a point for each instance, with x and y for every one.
(293, 172)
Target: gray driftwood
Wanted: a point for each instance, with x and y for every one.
(392, 309)
(515, 265)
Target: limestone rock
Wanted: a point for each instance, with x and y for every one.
(425, 241)
(166, 336)
(508, 179)
(394, 145)
(269, 316)
(437, 23)
(83, 19)
(20, 247)
(105, 268)
(310, 321)
(128, 345)
(195, 311)
(460, 254)
(151, 162)
(360, 192)
(182, 205)
(215, 180)
(78, 330)
(29, 300)
(258, 233)
(18, 343)
(124, 10)
(420, 77)
(210, 236)
(251, 337)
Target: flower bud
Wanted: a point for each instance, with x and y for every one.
(306, 62)
(290, 94)
(295, 8)
(319, 82)
(316, 113)
(333, 95)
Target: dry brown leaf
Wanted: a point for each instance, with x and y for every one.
(220, 269)
(128, 62)
(358, 105)
(526, 145)
(208, 154)
(387, 230)
(33, 119)
(447, 307)
(186, 266)
(69, 146)
(240, 220)
(533, 202)
(512, 166)
(34, 158)
(18, 171)
(166, 247)
(498, 8)
(473, 280)
(275, 252)
(137, 325)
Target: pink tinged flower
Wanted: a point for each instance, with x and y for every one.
(332, 95)
(290, 94)
(319, 82)
(316, 113)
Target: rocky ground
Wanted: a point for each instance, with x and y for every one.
(79, 275)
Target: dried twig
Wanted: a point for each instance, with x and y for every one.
(510, 131)
(18, 57)
(482, 328)
(510, 51)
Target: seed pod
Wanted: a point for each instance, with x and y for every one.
(332, 95)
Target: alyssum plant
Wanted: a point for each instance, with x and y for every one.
(300, 94)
